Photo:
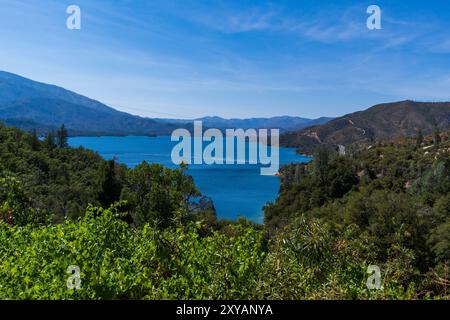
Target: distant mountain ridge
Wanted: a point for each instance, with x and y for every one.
(29, 104)
(284, 123)
(382, 121)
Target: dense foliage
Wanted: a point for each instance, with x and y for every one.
(119, 262)
(57, 181)
(157, 237)
(395, 195)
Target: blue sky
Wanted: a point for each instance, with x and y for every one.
(232, 58)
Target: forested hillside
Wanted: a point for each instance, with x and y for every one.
(147, 233)
(57, 182)
(393, 195)
(383, 121)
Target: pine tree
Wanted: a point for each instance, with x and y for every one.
(61, 137)
(49, 141)
(321, 160)
(109, 186)
(34, 140)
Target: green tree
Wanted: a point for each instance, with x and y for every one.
(49, 141)
(34, 140)
(341, 177)
(110, 186)
(62, 137)
(15, 206)
(322, 156)
(159, 195)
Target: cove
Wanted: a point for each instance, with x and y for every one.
(236, 190)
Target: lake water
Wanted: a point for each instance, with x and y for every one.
(236, 190)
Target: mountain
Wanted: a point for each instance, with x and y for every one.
(383, 121)
(29, 104)
(24, 101)
(284, 123)
(15, 88)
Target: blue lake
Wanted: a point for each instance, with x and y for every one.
(236, 190)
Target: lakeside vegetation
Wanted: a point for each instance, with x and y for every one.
(147, 232)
